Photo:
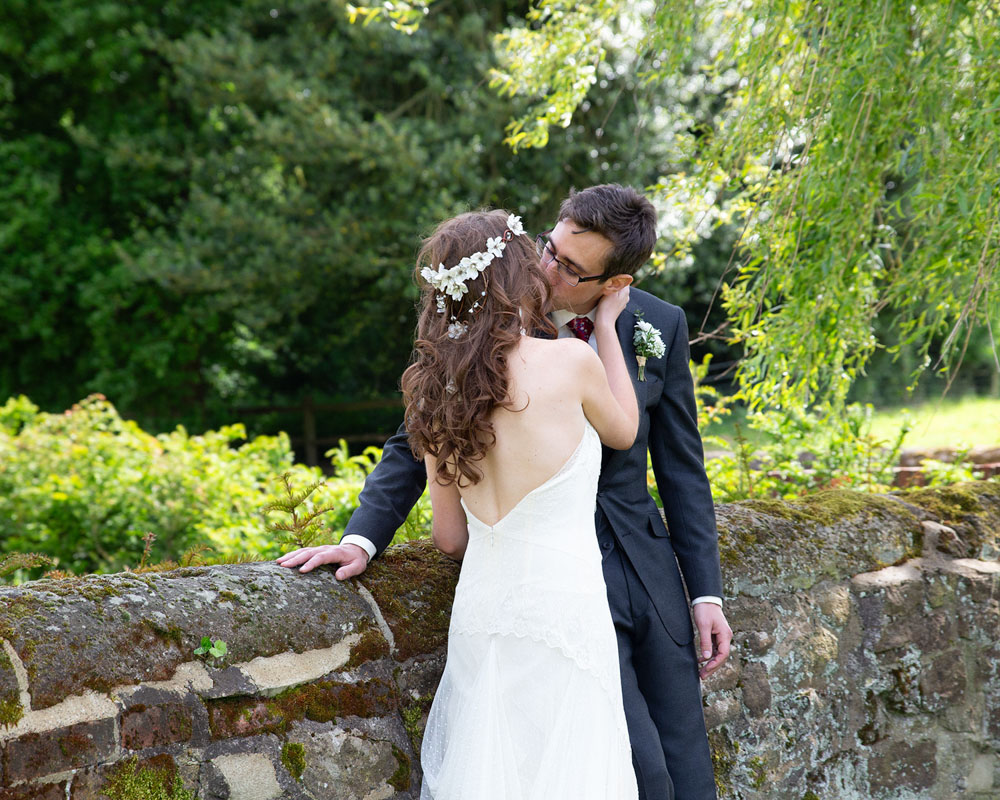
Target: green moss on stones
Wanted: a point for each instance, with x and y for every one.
(414, 586)
(817, 534)
(322, 701)
(232, 597)
(413, 714)
(723, 759)
(171, 634)
(156, 779)
(971, 510)
(370, 647)
(400, 780)
(826, 507)
(11, 709)
(293, 756)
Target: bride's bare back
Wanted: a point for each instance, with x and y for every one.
(548, 383)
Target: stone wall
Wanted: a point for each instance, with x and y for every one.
(867, 664)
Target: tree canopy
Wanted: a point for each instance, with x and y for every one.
(211, 205)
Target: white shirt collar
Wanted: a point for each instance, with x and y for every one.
(561, 316)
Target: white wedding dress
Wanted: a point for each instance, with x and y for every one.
(530, 705)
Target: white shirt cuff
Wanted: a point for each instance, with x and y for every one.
(708, 598)
(364, 544)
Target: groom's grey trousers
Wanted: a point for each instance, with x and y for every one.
(661, 690)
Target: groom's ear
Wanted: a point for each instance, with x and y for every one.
(616, 283)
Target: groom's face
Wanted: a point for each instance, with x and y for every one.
(584, 254)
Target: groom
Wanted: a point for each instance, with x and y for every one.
(604, 234)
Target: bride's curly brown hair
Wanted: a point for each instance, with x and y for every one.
(453, 385)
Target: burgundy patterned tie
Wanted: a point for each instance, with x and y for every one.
(582, 327)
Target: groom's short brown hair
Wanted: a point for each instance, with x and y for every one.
(621, 215)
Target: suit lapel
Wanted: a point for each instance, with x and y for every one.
(625, 328)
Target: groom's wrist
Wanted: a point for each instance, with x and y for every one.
(707, 598)
(365, 544)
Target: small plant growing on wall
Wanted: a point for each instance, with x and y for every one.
(301, 526)
(208, 648)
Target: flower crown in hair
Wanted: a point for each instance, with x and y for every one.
(450, 282)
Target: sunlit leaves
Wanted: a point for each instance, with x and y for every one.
(857, 145)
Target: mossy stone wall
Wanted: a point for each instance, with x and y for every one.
(867, 665)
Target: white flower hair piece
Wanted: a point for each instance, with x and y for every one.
(450, 282)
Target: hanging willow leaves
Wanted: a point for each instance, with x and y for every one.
(856, 143)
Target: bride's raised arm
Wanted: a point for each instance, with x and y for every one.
(609, 396)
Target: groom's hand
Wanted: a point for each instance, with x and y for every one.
(352, 559)
(714, 637)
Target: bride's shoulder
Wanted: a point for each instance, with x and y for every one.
(565, 355)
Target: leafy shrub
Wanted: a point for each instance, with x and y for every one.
(87, 487)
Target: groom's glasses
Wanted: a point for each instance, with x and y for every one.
(548, 253)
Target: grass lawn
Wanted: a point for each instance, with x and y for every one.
(966, 421)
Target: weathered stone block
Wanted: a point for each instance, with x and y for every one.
(45, 791)
(928, 633)
(249, 776)
(35, 755)
(720, 709)
(835, 603)
(896, 765)
(754, 614)
(943, 682)
(980, 777)
(726, 677)
(339, 763)
(756, 689)
(159, 726)
(167, 613)
(756, 643)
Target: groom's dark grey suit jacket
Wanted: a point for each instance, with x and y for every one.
(667, 429)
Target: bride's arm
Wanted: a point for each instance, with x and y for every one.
(609, 396)
(450, 529)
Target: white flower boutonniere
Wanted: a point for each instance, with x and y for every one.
(648, 344)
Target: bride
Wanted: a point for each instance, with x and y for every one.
(510, 428)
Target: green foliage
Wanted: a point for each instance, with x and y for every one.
(205, 205)
(403, 16)
(942, 473)
(345, 487)
(84, 488)
(92, 492)
(300, 531)
(216, 649)
(21, 561)
(850, 144)
(796, 451)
